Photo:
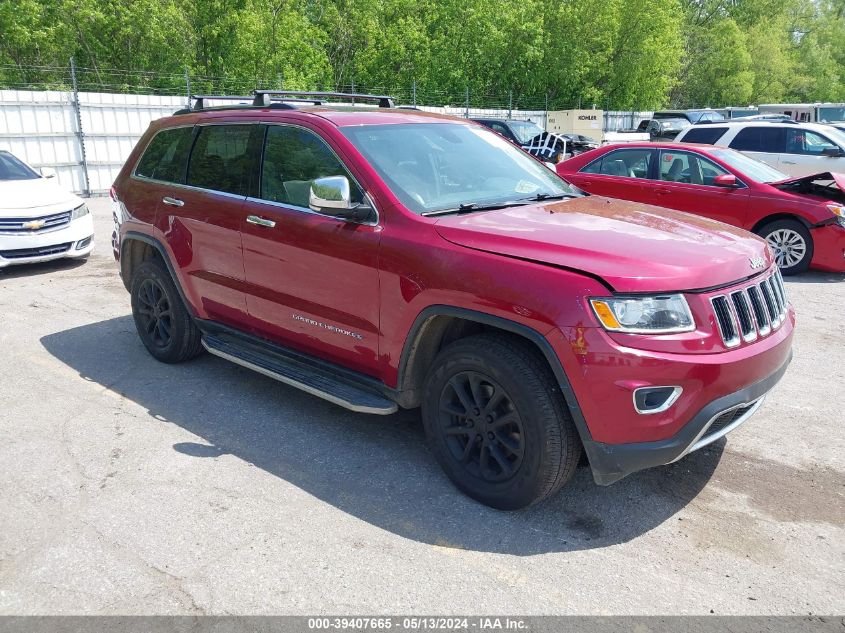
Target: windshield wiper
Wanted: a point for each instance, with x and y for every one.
(470, 207)
(550, 196)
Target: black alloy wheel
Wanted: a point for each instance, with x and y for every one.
(483, 428)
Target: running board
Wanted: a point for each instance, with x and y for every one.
(317, 381)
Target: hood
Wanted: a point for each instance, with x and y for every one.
(633, 247)
(825, 176)
(826, 185)
(25, 197)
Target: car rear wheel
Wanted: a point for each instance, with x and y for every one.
(162, 321)
(791, 243)
(497, 423)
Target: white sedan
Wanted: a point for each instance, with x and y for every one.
(39, 221)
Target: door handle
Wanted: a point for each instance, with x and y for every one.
(173, 202)
(662, 192)
(789, 162)
(259, 221)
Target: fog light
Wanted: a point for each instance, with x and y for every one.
(83, 243)
(648, 400)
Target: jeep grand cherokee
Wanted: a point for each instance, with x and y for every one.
(383, 258)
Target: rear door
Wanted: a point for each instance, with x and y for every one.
(201, 220)
(686, 184)
(621, 173)
(312, 278)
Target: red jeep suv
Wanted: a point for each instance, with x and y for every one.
(383, 258)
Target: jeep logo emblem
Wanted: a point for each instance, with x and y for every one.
(757, 262)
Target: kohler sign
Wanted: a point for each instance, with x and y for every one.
(586, 122)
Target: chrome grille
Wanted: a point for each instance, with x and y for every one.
(29, 226)
(751, 312)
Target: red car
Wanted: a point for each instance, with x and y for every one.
(803, 219)
(382, 258)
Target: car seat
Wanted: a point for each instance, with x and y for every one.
(674, 173)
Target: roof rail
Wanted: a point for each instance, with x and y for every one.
(263, 98)
(201, 103)
(199, 100)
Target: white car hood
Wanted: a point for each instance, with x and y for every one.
(39, 196)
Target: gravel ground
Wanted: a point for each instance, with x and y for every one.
(133, 487)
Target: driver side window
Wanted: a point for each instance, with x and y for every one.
(687, 168)
(800, 141)
(293, 158)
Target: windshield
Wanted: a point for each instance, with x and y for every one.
(828, 114)
(754, 169)
(440, 166)
(524, 131)
(13, 169)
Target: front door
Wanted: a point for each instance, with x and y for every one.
(312, 279)
(687, 184)
(809, 153)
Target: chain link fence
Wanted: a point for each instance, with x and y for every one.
(84, 122)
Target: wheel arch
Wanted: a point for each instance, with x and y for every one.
(774, 217)
(438, 325)
(136, 248)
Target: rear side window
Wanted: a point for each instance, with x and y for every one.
(219, 160)
(293, 159)
(771, 140)
(705, 134)
(627, 163)
(166, 155)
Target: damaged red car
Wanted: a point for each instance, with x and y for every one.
(803, 219)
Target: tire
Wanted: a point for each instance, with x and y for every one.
(525, 447)
(163, 323)
(791, 243)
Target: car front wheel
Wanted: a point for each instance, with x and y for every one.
(791, 244)
(497, 422)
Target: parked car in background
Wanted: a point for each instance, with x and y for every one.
(733, 112)
(531, 137)
(389, 258)
(39, 220)
(664, 129)
(796, 149)
(693, 116)
(803, 219)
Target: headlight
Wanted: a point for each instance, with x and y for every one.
(644, 315)
(79, 211)
(839, 211)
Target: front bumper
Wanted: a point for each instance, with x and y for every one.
(828, 248)
(74, 240)
(612, 462)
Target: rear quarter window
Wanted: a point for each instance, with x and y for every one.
(166, 155)
(707, 135)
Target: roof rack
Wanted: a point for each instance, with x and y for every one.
(263, 98)
(199, 100)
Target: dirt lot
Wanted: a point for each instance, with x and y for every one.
(133, 487)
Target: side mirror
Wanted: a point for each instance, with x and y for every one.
(833, 152)
(47, 172)
(725, 180)
(331, 196)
